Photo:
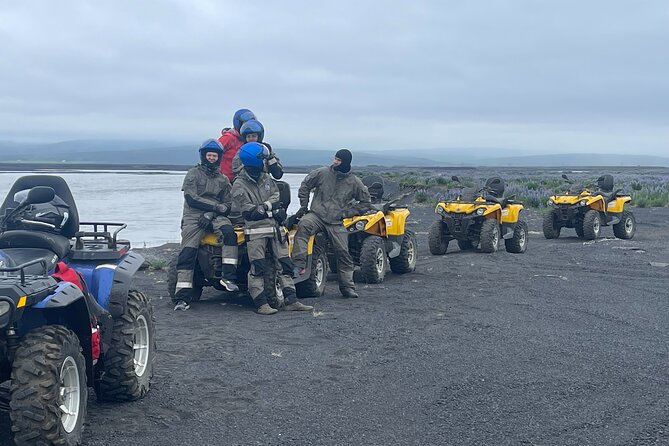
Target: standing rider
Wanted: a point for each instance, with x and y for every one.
(337, 194)
(256, 196)
(207, 202)
(253, 131)
(231, 140)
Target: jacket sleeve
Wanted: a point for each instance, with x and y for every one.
(236, 165)
(274, 166)
(309, 183)
(243, 203)
(225, 195)
(362, 196)
(194, 200)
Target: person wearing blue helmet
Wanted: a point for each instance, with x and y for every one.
(232, 141)
(253, 131)
(256, 197)
(207, 203)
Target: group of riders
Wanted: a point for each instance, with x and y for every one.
(235, 179)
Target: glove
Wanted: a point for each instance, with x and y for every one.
(258, 213)
(273, 206)
(205, 220)
(222, 209)
(280, 215)
(301, 212)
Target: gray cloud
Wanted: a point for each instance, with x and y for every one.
(535, 76)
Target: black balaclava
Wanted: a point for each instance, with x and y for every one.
(254, 172)
(211, 167)
(346, 157)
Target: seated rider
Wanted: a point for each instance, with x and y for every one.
(232, 141)
(207, 202)
(253, 131)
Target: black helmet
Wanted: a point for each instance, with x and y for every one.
(252, 126)
(605, 183)
(241, 116)
(495, 186)
(211, 145)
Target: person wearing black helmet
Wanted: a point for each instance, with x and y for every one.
(207, 202)
(256, 197)
(231, 140)
(337, 194)
(253, 131)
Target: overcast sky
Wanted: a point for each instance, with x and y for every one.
(533, 76)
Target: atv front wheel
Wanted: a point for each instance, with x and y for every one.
(489, 235)
(592, 224)
(436, 241)
(550, 225)
(128, 363)
(373, 259)
(48, 392)
(626, 228)
(405, 262)
(198, 282)
(314, 285)
(518, 243)
(465, 245)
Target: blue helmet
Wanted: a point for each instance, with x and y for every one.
(252, 126)
(253, 154)
(211, 145)
(241, 116)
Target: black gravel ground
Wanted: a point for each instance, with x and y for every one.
(567, 344)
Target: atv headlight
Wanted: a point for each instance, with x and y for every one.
(583, 202)
(440, 210)
(480, 211)
(360, 225)
(5, 307)
(550, 202)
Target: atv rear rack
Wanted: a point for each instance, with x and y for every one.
(101, 242)
(21, 268)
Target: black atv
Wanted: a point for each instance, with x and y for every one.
(69, 318)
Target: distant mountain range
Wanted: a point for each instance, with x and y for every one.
(164, 153)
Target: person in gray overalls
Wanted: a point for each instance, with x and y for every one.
(255, 196)
(207, 203)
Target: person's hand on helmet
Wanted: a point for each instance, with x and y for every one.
(222, 209)
(205, 220)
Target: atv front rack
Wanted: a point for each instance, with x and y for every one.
(100, 243)
(22, 268)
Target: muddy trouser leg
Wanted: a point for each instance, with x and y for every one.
(256, 250)
(284, 268)
(339, 240)
(226, 232)
(191, 234)
(309, 225)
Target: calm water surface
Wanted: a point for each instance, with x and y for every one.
(150, 202)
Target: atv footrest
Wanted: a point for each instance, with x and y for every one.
(100, 243)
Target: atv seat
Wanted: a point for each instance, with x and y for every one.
(504, 202)
(19, 238)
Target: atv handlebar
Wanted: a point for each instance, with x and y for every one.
(21, 268)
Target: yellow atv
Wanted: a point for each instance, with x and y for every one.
(208, 270)
(380, 237)
(587, 210)
(478, 218)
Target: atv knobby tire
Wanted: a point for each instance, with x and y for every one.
(626, 228)
(128, 363)
(550, 225)
(592, 224)
(405, 262)
(436, 241)
(373, 259)
(489, 235)
(465, 245)
(314, 286)
(196, 292)
(48, 361)
(578, 226)
(518, 243)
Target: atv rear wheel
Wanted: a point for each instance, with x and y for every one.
(626, 228)
(405, 262)
(48, 388)
(314, 286)
(518, 243)
(373, 259)
(550, 225)
(578, 226)
(198, 281)
(436, 241)
(592, 224)
(489, 235)
(465, 245)
(128, 363)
